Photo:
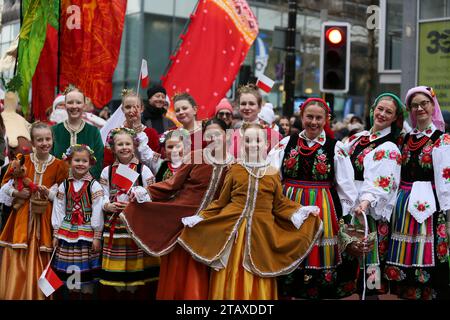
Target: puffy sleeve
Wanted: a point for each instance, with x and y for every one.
(441, 164)
(59, 208)
(97, 212)
(104, 182)
(276, 154)
(164, 190)
(344, 178)
(381, 180)
(141, 192)
(147, 156)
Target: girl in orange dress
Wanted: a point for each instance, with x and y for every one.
(251, 233)
(27, 236)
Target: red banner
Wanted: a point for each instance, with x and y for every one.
(213, 49)
(44, 79)
(91, 32)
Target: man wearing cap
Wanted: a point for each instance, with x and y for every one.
(224, 112)
(153, 115)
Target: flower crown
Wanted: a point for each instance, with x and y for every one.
(169, 133)
(79, 147)
(114, 132)
(127, 92)
(433, 94)
(69, 88)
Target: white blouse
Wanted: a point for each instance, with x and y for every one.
(344, 174)
(382, 167)
(59, 205)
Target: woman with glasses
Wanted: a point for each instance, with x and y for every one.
(417, 259)
(224, 112)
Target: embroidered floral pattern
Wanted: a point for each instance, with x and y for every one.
(422, 276)
(446, 174)
(406, 155)
(291, 162)
(375, 135)
(346, 289)
(386, 183)
(421, 206)
(341, 152)
(321, 167)
(394, 273)
(385, 154)
(442, 239)
(359, 162)
(425, 159)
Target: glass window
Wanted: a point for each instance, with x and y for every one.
(432, 9)
(393, 40)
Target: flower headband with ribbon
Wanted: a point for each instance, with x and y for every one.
(437, 118)
(76, 148)
(114, 132)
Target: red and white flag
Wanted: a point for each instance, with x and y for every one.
(124, 177)
(48, 281)
(144, 74)
(265, 83)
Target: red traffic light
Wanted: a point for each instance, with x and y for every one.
(335, 36)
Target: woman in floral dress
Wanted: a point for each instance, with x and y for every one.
(417, 260)
(317, 171)
(376, 160)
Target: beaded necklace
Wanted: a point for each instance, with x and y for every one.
(308, 150)
(413, 146)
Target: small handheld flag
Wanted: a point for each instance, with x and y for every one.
(48, 281)
(265, 83)
(144, 74)
(124, 177)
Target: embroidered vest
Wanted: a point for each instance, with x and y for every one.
(417, 161)
(303, 163)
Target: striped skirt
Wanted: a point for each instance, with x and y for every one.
(124, 263)
(76, 263)
(325, 254)
(323, 274)
(418, 259)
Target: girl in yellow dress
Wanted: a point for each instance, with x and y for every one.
(254, 233)
(27, 236)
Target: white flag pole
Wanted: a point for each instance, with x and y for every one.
(139, 79)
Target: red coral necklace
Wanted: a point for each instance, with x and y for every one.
(308, 150)
(413, 146)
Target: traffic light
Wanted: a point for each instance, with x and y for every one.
(335, 57)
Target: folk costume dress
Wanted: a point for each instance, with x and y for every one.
(251, 236)
(27, 236)
(87, 134)
(376, 161)
(156, 226)
(77, 220)
(124, 264)
(418, 258)
(318, 172)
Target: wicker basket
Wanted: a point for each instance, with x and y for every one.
(351, 233)
(38, 205)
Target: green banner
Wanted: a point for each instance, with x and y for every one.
(434, 59)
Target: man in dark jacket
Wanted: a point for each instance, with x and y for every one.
(154, 111)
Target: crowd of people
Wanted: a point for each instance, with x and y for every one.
(245, 205)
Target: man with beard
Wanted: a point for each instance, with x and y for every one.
(153, 115)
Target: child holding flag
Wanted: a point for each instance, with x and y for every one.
(27, 236)
(125, 266)
(77, 220)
